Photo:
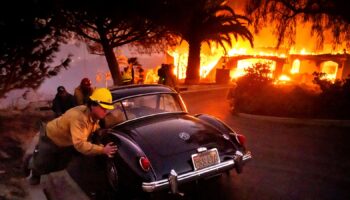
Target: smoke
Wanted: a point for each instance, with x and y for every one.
(25, 99)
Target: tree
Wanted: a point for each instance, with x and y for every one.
(105, 25)
(28, 44)
(324, 15)
(199, 21)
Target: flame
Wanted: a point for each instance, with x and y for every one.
(295, 67)
(265, 41)
(239, 71)
(152, 75)
(180, 64)
(243, 65)
(330, 69)
(284, 78)
(239, 51)
(303, 52)
(210, 58)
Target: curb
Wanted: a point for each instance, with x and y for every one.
(318, 122)
(35, 192)
(55, 183)
(54, 186)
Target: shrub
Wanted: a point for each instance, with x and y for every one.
(256, 94)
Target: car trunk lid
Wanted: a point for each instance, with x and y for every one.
(170, 140)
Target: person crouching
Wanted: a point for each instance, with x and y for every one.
(68, 134)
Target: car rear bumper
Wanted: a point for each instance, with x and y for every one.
(194, 175)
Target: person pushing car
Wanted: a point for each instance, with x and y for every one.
(68, 134)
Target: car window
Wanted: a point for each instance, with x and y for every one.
(167, 103)
(141, 106)
(150, 105)
(115, 116)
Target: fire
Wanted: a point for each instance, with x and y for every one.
(303, 52)
(209, 59)
(242, 65)
(283, 79)
(215, 57)
(240, 51)
(180, 64)
(151, 75)
(330, 69)
(295, 67)
(239, 71)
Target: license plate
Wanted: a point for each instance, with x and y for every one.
(205, 159)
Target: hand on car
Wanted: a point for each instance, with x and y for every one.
(110, 149)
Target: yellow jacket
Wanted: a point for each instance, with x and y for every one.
(73, 128)
(80, 98)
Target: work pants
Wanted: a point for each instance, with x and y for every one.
(48, 157)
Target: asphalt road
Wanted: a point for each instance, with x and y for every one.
(290, 161)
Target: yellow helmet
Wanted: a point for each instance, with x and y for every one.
(103, 97)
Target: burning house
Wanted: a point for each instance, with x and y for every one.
(293, 62)
(285, 67)
(293, 67)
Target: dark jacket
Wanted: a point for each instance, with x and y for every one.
(61, 104)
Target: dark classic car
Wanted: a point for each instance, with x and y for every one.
(161, 145)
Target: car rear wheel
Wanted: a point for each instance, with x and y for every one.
(122, 182)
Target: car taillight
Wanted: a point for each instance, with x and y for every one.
(241, 139)
(144, 163)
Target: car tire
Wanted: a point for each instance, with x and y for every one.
(120, 179)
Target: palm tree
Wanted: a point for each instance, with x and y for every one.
(211, 21)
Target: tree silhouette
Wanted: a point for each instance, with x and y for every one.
(105, 25)
(324, 15)
(28, 44)
(198, 21)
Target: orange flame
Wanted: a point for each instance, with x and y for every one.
(210, 58)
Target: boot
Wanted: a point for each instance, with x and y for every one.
(34, 177)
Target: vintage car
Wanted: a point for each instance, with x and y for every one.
(161, 145)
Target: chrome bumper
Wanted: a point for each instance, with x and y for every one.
(247, 156)
(194, 175)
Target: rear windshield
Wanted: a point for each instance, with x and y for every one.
(142, 106)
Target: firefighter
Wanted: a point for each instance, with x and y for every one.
(83, 91)
(141, 74)
(170, 78)
(68, 134)
(127, 75)
(62, 101)
(162, 72)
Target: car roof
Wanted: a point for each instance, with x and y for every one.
(120, 92)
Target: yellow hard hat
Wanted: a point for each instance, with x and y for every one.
(103, 97)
